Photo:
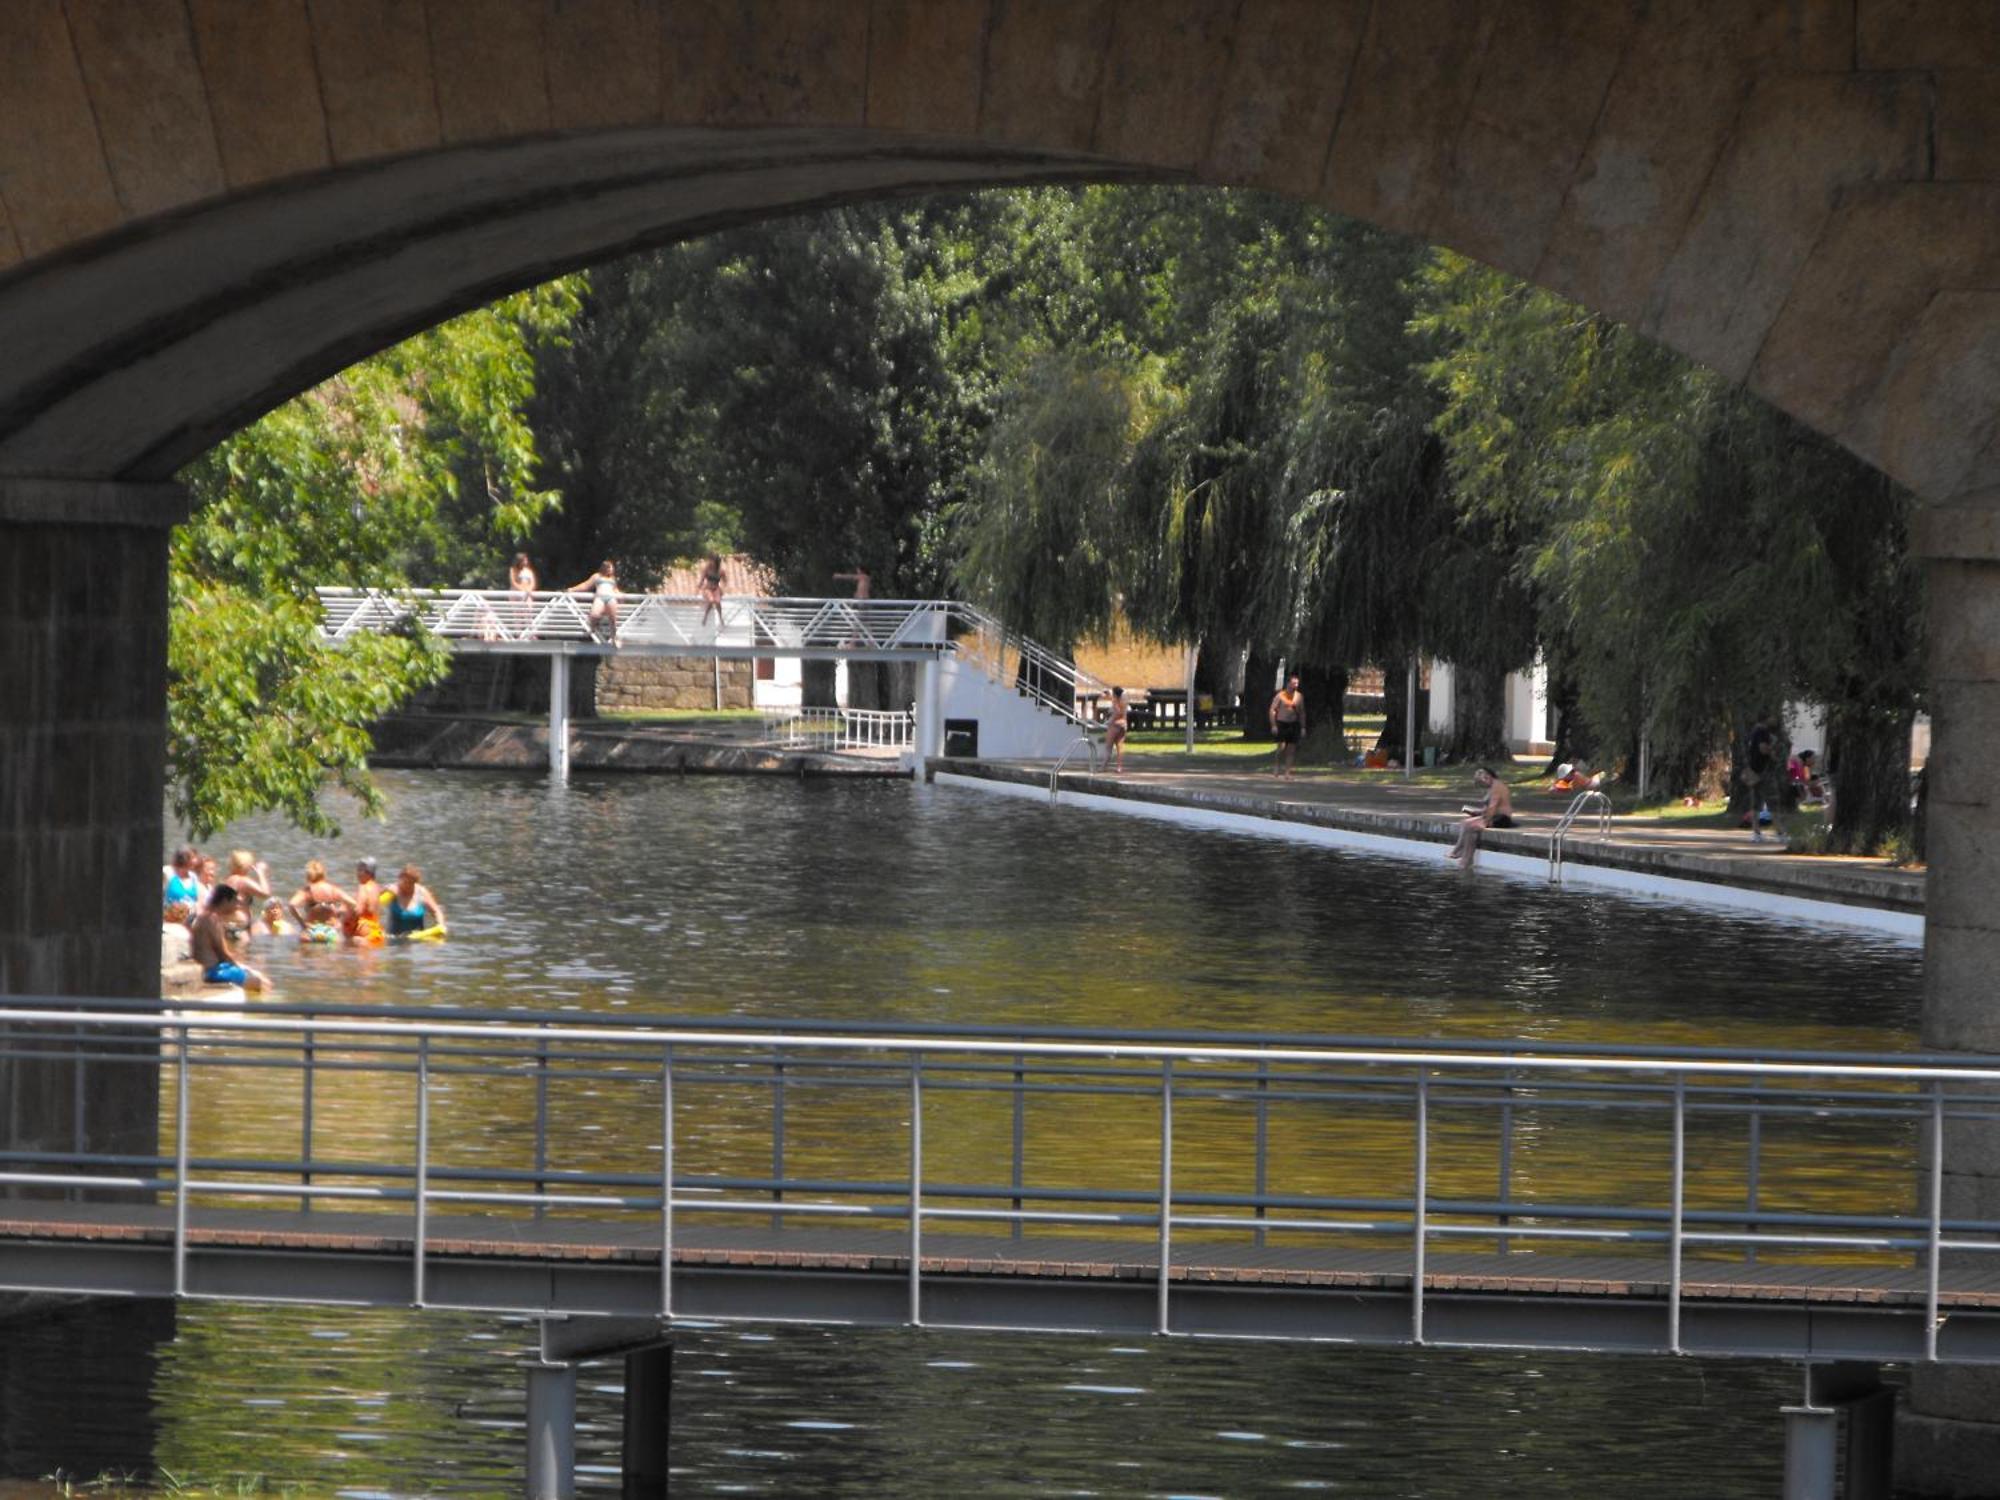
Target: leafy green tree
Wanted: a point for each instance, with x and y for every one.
(365, 481)
(621, 423)
(1697, 558)
(1037, 540)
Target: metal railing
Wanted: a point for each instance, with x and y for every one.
(1008, 657)
(1462, 1152)
(884, 628)
(831, 730)
(1082, 742)
(501, 617)
(1560, 833)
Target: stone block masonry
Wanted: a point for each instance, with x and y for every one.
(639, 684)
(83, 628)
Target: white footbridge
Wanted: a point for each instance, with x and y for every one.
(997, 692)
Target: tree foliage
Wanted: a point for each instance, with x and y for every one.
(1697, 558)
(413, 466)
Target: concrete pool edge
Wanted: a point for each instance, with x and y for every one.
(1648, 874)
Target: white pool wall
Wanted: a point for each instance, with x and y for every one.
(1903, 926)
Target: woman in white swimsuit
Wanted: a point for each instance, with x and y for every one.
(603, 586)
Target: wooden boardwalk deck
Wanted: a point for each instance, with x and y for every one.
(1966, 1282)
(843, 1274)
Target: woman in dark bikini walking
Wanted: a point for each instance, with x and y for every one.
(1116, 726)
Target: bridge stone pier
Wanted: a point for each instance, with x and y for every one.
(208, 205)
(83, 622)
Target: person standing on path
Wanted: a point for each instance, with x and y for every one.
(1288, 725)
(1758, 755)
(1115, 729)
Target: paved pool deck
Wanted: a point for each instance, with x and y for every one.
(1387, 806)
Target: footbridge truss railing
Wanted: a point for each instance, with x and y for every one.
(1454, 1193)
(502, 620)
(882, 629)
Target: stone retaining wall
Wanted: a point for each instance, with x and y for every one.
(474, 742)
(651, 683)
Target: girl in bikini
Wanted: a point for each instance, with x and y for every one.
(321, 908)
(709, 586)
(603, 587)
(1115, 729)
(1497, 811)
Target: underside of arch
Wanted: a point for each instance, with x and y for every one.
(131, 357)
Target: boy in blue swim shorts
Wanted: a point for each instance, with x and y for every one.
(211, 945)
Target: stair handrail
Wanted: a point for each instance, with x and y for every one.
(997, 640)
(1582, 800)
(1055, 771)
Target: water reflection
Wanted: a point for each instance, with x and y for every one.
(852, 901)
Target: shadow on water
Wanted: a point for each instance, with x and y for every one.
(76, 1385)
(880, 901)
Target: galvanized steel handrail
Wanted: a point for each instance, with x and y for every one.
(1089, 747)
(919, 1064)
(1582, 800)
(1114, 1037)
(1889, 1067)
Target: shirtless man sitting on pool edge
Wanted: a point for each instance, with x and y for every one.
(214, 949)
(1497, 811)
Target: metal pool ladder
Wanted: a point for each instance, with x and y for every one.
(1576, 807)
(1055, 771)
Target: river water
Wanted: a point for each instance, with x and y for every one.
(877, 900)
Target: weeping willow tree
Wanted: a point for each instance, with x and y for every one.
(1386, 570)
(1697, 558)
(1036, 541)
(1297, 499)
(1202, 509)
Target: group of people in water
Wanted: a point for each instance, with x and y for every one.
(222, 911)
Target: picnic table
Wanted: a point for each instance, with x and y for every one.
(1166, 707)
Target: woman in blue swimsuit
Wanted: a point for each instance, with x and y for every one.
(411, 907)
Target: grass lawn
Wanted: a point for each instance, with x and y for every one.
(683, 718)
(1227, 750)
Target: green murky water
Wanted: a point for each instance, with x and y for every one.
(883, 901)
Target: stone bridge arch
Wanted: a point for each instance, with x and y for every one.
(206, 205)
